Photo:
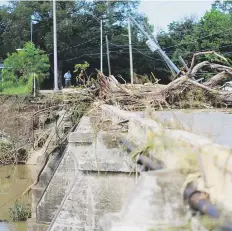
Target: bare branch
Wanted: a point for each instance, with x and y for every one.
(203, 53)
(203, 86)
(183, 63)
(198, 67)
(221, 57)
(220, 67)
(217, 78)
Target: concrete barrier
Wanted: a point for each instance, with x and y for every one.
(154, 204)
(182, 150)
(95, 177)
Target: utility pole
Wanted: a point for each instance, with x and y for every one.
(154, 46)
(130, 48)
(101, 64)
(55, 48)
(108, 55)
(34, 83)
(31, 29)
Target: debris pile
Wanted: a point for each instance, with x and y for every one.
(183, 92)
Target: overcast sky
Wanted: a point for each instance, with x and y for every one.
(162, 13)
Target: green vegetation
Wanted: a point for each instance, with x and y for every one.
(82, 67)
(76, 44)
(18, 90)
(78, 110)
(5, 150)
(19, 212)
(22, 66)
(212, 32)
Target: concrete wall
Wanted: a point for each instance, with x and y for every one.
(216, 170)
(38, 158)
(154, 204)
(183, 151)
(95, 177)
(58, 186)
(89, 181)
(90, 198)
(102, 185)
(64, 175)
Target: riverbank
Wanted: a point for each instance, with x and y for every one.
(22, 132)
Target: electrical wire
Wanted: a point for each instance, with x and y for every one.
(91, 54)
(75, 46)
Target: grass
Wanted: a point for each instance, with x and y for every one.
(19, 90)
(19, 212)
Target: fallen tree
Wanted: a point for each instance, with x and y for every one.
(184, 91)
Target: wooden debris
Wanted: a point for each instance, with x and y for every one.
(138, 97)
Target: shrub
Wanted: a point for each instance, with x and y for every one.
(19, 212)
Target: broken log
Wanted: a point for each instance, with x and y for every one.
(215, 80)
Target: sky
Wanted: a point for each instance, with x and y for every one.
(162, 13)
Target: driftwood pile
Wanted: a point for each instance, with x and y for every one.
(184, 91)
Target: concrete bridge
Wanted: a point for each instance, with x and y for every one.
(96, 183)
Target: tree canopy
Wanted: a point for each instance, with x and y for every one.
(211, 32)
(78, 33)
(21, 65)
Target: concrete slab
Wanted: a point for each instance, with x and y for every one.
(106, 155)
(154, 204)
(59, 184)
(81, 137)
(91, 196)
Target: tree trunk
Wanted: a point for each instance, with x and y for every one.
(60, 67)
(215, 80)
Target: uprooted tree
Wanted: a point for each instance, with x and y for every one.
(184, 91)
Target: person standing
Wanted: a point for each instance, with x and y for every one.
(67, 77)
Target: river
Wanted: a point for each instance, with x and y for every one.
(14, 179)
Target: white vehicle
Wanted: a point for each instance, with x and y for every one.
(227, 86)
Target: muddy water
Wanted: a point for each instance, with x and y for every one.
(13, 182)
(214, 124)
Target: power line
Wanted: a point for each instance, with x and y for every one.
(193, 52)
(119, 45)
(145, 54)
(75, 46)
(91, 54)
(104, 54)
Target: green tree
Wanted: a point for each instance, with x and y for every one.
(212, 32)
(78, 32)
(21, 65)
(224, 6)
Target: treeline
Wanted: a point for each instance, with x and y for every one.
(78, 35)
(212, 32)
